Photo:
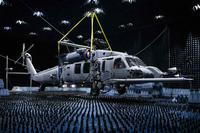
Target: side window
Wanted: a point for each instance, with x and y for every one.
(103, 66)
(77, 69)
(86, 67)
(118, 64)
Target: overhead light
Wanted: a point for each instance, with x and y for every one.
(196, 7)
(20, 22)
(7, 28)
(65, 22)
(5, 3)
(130, 24)
(38, 14)
(128, 1)
(2, 3)
(98, 32)
(95, 2)
(96, 10)
(47, 29)
(122, 26)
(33, 34)
(79, 37)
(158, 17)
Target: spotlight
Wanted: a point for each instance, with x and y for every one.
(130, 24)
(196, 7)
(79, 37)
(38, 14)
(128, 1)
(33, 34)
(158, 17)
(2, 3)
(65, 22)
(122, 26)
(47, 29)
(7, 28)
(96, 10)
(98, 32)
(20, 22)
(95, 2)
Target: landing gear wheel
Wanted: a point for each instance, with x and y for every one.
(100, 85)
(121, 88)
(94, 92)
(42, 87)
(94, 89)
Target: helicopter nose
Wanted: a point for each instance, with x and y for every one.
(136, 74)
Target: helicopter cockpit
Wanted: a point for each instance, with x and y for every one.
(134, 61)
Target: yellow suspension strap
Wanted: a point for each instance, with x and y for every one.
(70, 32)
(103, 32)
(92, 31)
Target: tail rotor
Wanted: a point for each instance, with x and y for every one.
(23, 54)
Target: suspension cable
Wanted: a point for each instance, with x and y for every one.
(70, 32)
(92, 32)
(154, 40)
(103, 32)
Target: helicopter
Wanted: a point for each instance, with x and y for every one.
(98, 68)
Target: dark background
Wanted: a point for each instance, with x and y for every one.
(176, 39)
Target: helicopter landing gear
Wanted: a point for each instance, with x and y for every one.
(42, 87)
(121, 88)
(94, 89)
(95, 80)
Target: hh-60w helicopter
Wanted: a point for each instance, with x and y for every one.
(99, 68)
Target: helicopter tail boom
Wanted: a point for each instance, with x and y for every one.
(29, 65)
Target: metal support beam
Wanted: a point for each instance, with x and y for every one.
(6, 72)
(19, 73)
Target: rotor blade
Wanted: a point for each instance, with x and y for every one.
(23, 48)
(29, 48)
(23, 52)
(18, 59)
(145, 80)
(73, 44)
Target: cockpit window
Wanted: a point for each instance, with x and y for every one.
(77, 69)
(134, 62)
(118, 64)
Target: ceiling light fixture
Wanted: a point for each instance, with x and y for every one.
(47, 29)
(129, 1)
(158, 17)
(196, 7)
(2, 3)
(7, 28)
(38, 14)
(95, 2)
(65, 22)
(20, 22)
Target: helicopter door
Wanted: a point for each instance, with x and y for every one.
(77, 77)
(86, 71)
(106, 69)
(119, 68)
